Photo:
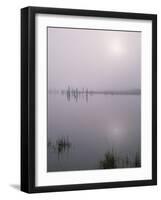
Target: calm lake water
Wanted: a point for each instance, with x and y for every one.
(93, 132)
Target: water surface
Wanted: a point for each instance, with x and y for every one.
(93, 131)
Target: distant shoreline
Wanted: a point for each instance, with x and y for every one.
(92, 92)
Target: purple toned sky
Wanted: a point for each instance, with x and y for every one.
(94, 59)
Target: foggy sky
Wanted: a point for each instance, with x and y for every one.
(94, 59)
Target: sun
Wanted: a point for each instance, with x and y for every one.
(117, 47)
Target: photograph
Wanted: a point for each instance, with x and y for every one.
(89, 99)
(93, 99)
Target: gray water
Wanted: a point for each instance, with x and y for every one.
(93, 131)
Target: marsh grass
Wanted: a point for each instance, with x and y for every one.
(112, 160)
(60, 146)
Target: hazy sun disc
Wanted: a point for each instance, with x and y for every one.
(116, 47)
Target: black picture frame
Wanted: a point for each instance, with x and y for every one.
(28, 91)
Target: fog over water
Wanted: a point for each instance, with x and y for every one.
(91, 124)
(94, 59)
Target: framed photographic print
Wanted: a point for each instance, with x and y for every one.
(88, 99)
